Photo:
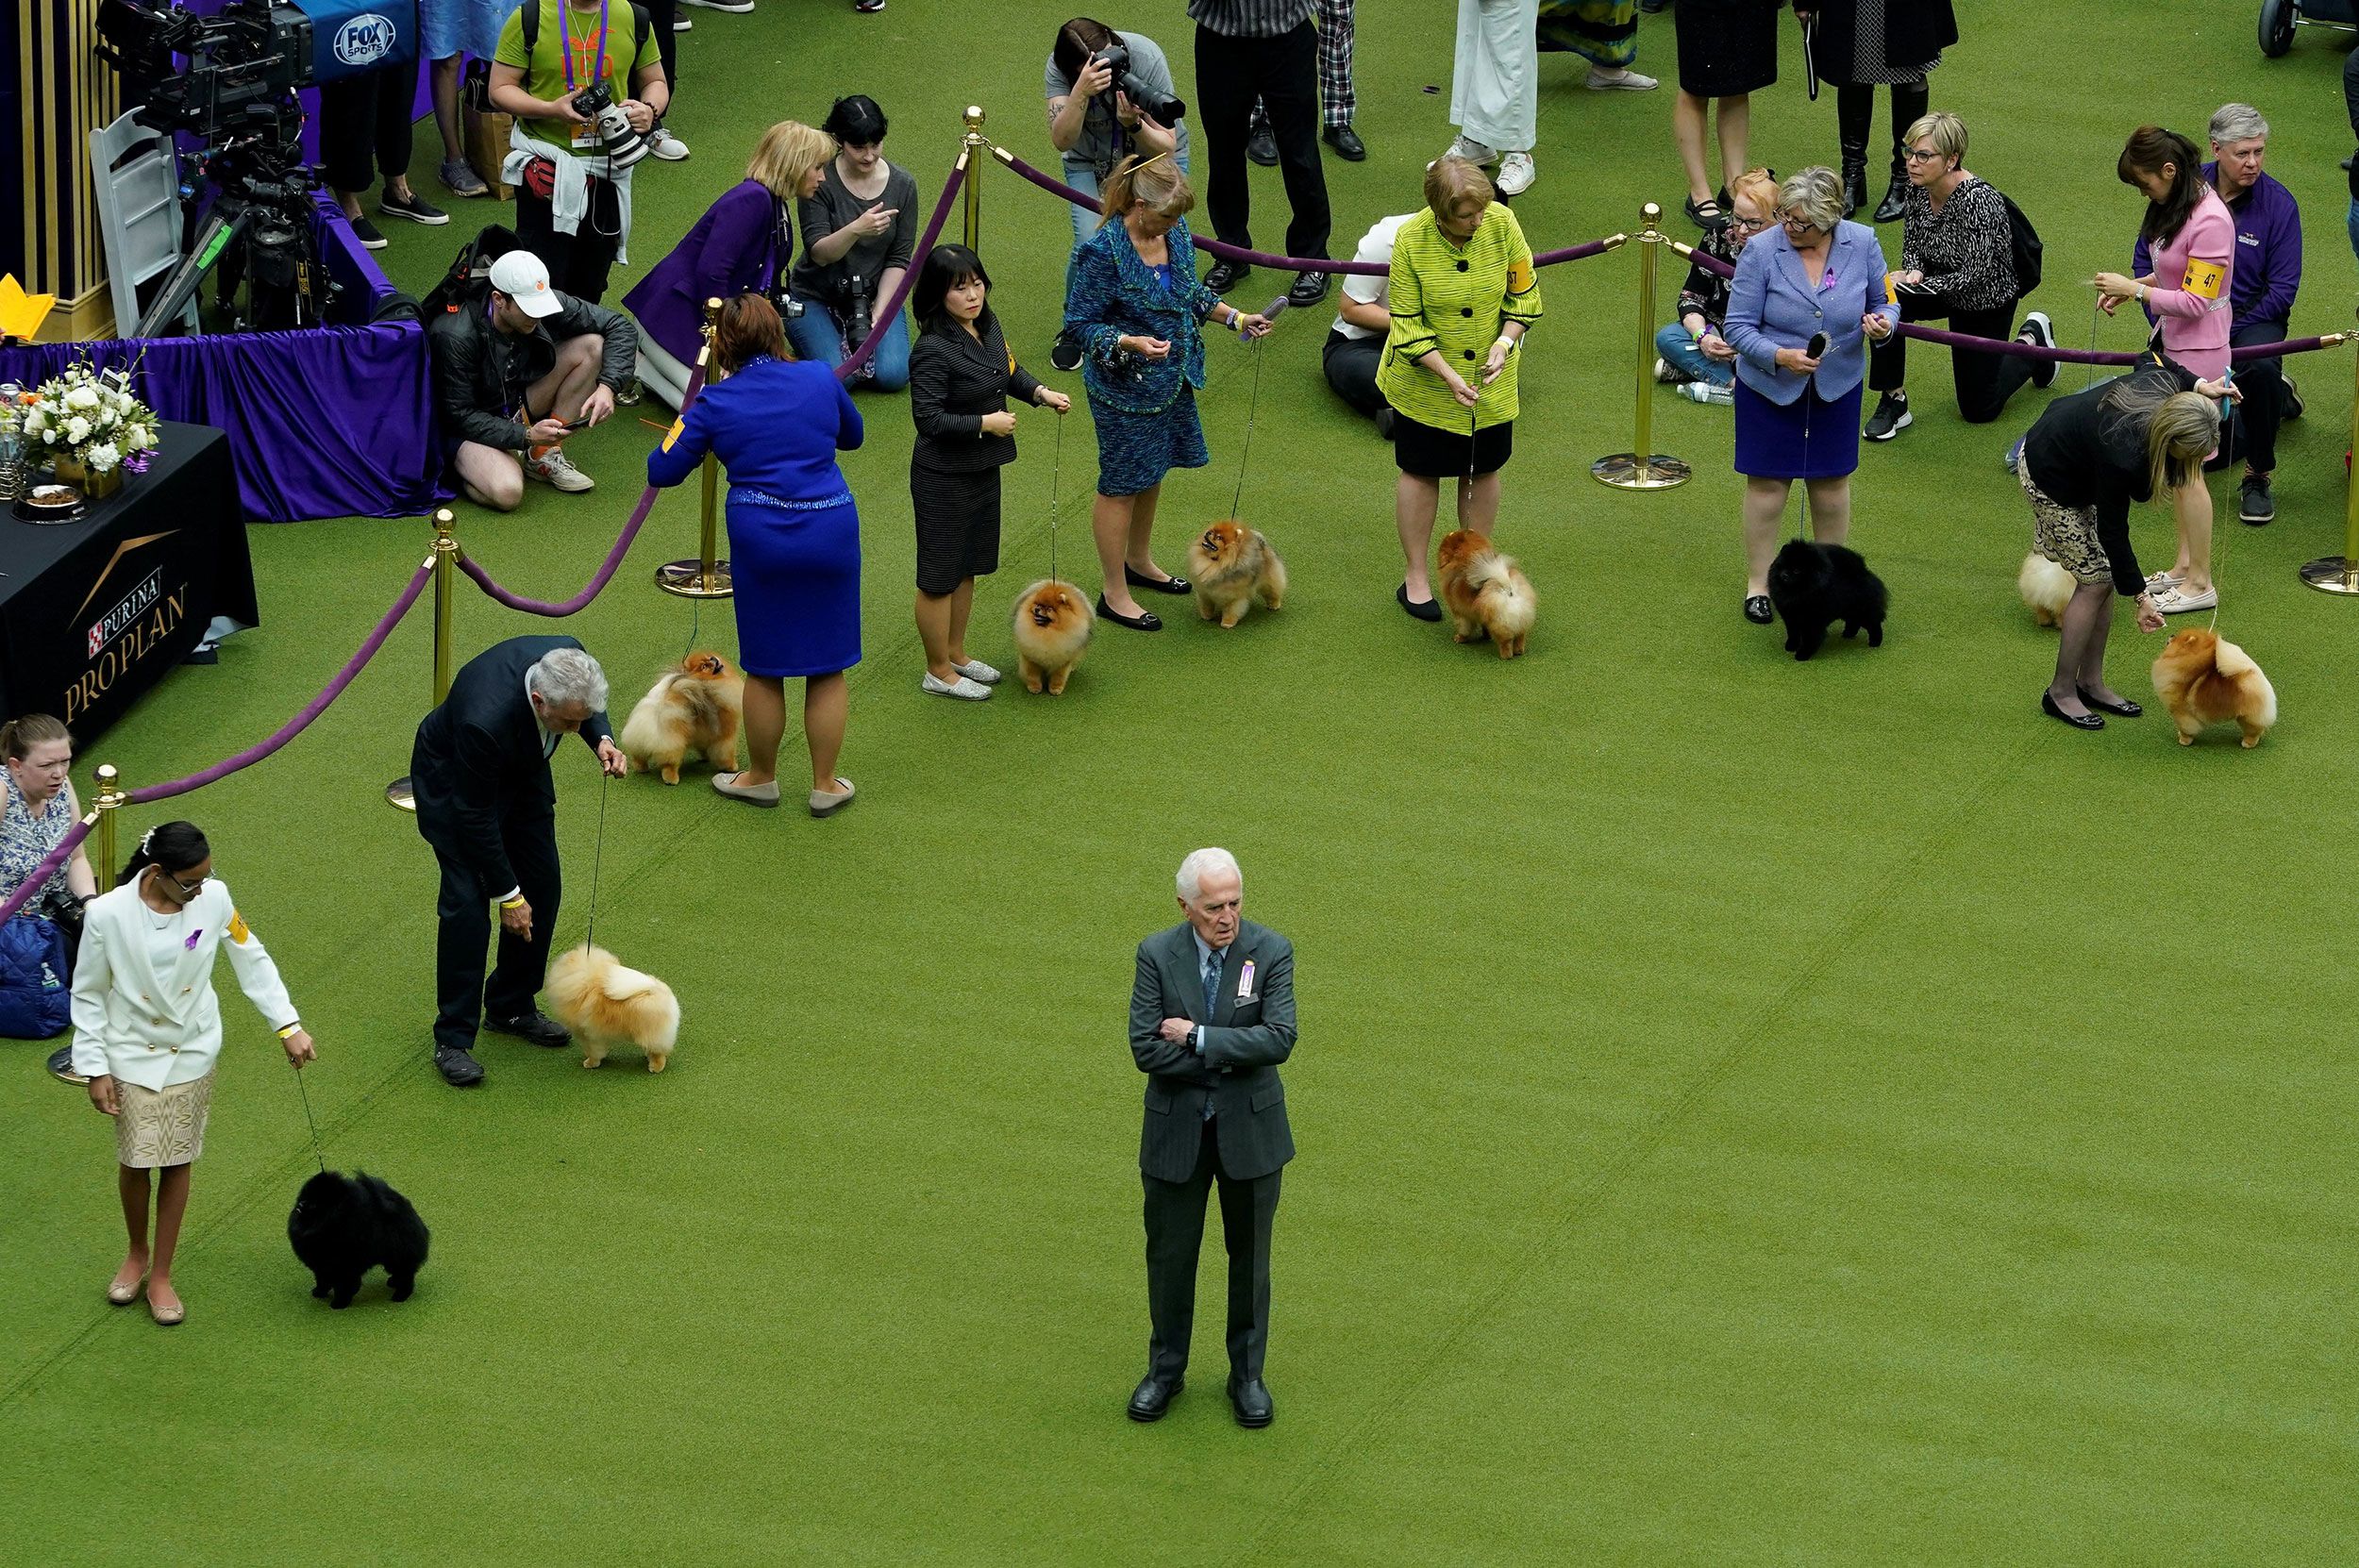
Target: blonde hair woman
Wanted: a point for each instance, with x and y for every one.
(1693, 356)
(1133, 304)
(742, 244)
(2090, 455)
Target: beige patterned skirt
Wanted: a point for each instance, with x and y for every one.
(156, 1128)
(2065, 535)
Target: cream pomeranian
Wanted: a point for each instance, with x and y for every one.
(2045, 587)
(697, 707)
(606, 1004)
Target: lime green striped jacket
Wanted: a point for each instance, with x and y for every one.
(1455, 299)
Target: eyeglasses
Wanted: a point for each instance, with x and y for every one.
(1795, 222)
(1921, 155)
(186, 891)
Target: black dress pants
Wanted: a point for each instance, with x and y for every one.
(578, 263)
(364, 126)
(2252, 424)
(528, 836)
(1174, 1237)
(1283, 73)
(1984, 382)
(662, 15)
(1352, 365)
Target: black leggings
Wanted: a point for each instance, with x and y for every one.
(1984, 382)
(1855, 118)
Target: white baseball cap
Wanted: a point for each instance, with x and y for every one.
(520, 275)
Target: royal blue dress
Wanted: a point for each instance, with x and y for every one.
(776, 425)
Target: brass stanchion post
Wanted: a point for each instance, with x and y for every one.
(2340, 573)
(445, 559)
(1641, 468)
(971, 199)
(110, 797)
(707, 577)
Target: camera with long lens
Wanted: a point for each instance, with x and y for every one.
(857, 298)
(622, 145)
(1163, 110)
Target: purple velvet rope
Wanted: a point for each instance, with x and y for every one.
(311, 710)
(892, 307)
(41, 872)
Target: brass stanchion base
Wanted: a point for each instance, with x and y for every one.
(398, 796)
(689, 580)
(1628, 471)
(2332, 575)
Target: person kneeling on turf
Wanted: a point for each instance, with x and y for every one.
(520, 371)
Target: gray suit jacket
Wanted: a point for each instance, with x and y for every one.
(1245, 1039)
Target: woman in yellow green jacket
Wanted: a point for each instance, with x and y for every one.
(1462, 294)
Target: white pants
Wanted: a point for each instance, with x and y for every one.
(660, 373)
(1494, 91)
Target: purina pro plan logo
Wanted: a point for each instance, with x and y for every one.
(127, 614)
(365, 38)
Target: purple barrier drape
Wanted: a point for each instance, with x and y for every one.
(41, 872)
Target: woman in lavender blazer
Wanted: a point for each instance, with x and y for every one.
(1798, 417)
(742, 244)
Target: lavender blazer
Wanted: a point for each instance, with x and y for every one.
(1772, 306)
(743, 242)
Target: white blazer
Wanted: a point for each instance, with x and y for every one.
(152, 1019)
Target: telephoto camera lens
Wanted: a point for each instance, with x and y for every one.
(1162, 110)
(622, 145)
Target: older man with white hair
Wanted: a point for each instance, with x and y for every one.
(480, 773)
(1211, 1016)
(2261, 290)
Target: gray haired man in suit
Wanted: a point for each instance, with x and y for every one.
(1211, 1016)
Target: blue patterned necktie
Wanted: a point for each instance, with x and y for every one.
(1211, 984)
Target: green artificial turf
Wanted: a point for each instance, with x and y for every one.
(1749, 1112)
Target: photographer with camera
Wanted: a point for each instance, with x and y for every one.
(1110, 95)
(859, 230)
(744, 243)
(523, 366)
(584, 102)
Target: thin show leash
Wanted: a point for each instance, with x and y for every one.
(1056, 487)
(300, 1088)
(597, 857)
(1253, 408)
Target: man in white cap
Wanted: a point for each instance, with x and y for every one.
(519, 371)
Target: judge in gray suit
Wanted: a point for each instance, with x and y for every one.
(1211, 1016)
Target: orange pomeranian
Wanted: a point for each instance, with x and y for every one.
(1487, 593)
(1053, 623)
(606, 1004)
(694, 708)
(2203, 678)
(1230, 564)
(2045, 587)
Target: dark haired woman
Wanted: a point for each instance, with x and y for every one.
(147, 1028)
(777, 424)
(962, 374)
(36, 810)
(859, 231)
(2193, 237)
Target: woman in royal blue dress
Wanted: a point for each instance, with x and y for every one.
(777, 424)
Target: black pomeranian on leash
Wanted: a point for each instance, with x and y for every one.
(1815, 585)
(343, 1225)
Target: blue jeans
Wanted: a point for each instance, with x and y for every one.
(1082, 177)
(818, 336)
(1681, 354)
(2351, 221)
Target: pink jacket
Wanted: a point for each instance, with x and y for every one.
(2189, 298)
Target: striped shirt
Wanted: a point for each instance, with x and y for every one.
(1455, 299)
(1250, 18)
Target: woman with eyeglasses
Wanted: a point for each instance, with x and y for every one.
(1815, 282)
(147, 1028)
(36, 811)
(1693, 356)
(1957, 261)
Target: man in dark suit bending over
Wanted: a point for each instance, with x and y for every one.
(1211, 1016)
(480, 773)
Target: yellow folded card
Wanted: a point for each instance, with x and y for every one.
(21, 315)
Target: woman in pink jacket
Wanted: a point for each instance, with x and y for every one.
(2193, 237)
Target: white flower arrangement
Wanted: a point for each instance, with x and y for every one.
(89, 418)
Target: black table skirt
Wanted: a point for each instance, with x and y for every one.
(92, 612)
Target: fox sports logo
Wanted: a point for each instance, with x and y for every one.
(365, 38)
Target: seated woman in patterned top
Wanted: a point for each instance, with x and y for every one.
(1693, 356)
(1957, 259)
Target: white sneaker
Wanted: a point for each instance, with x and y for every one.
(1619, 82)
(2157, 581)
(740, 7)
(663, 144)
(1516, 174)
(1664, 375)
(2178, 601)
(552, 468)
(1469, 149)
(975, 669)
(681, 24)
(962, 688)
(1704, 392)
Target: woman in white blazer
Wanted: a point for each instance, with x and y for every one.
(147, 1028)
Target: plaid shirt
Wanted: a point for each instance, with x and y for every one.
(1250, 18)
(1336, 102)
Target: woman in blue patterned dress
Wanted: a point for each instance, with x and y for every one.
(1134, 303)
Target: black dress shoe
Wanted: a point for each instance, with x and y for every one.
(1153, 1396)
(459, 1068)
(1066, 353)
(1309, 289)
(1262, 147)
(1429, 610)
(533, 1028)
(61, 1066)
(1226, 275)
(1137, 578)
(1252, 1401)
(1145, 620)
(1386, 422)
(1757, 610)
(2081, 721)
(1346, 144)
(2125, 709)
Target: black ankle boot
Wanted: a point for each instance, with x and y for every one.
(1896, 197)
(1855, 182)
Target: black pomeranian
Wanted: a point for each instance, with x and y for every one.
(1813, 585)
(343, 1225)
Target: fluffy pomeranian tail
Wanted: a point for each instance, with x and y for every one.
(642, 734)
(1496, 580)
(2045, 587)
(2237, 666)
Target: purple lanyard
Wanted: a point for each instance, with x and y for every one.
(566, 43)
